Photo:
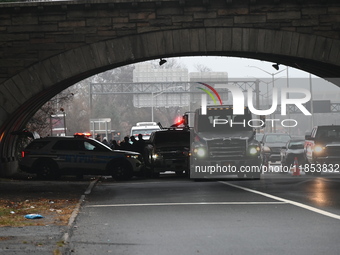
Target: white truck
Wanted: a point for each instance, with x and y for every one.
(144, 128)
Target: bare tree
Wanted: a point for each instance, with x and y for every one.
(202, 68)
(40, 122)
(118, 107)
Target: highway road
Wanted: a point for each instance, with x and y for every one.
(279, 214)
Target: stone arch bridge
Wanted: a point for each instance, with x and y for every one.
(46, 47)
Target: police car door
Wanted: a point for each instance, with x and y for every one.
(70, 154)
(95, 157)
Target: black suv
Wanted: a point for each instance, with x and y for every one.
(52, 157)
(322, 146)
(169, 150)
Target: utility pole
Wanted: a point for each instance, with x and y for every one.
(311, 100)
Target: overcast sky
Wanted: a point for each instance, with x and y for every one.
(239, 67)
(251, 68)
(245, 68)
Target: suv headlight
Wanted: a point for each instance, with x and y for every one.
(254, 150)
(266, 149)
(318, 149)
(156, 155)
(200, 152)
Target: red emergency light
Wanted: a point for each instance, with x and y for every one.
(85, 134)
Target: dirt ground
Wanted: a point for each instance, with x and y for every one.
(53, 200)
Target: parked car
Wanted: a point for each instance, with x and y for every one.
(52, 157)
(293, 149)
(271, 145)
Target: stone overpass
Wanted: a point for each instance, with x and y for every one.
(48, 46)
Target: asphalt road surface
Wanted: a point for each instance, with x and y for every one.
(279, 214)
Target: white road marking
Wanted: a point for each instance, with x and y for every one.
(307, 207)
(140, 183)
(194, 203)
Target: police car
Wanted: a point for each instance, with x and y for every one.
(52, 157)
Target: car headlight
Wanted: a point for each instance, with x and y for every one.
(200, 152)
(254, 150)
(156, 156)
(132, 156)
(266, 149)
(318, 148)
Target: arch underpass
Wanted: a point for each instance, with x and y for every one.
(51, 46)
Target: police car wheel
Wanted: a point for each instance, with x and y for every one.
(121, 170)
(47, 170)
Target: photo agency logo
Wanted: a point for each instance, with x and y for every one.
(239, 104)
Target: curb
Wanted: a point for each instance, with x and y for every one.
(76, 210)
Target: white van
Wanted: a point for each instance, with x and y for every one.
(144, 128)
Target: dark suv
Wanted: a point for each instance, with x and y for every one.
(52, 157)
(271, 145)
(169, 150)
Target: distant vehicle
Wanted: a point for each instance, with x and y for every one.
(271, 146)
(144, 128)
(169, 150)
(259, 136)
(322, 146)
(52, 157)
(225, 145)
(293, 149)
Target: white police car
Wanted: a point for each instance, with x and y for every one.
(52, 157)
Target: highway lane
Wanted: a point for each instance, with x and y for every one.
(321, 192)
(178, 216)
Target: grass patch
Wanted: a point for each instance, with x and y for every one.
(60, 243)
(56, 212)
(56, 252)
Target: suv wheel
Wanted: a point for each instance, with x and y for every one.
(147, 157)
(121, 170)
(47, 170)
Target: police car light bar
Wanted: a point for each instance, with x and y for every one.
(86, 134)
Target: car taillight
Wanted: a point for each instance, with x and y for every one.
(24, 153)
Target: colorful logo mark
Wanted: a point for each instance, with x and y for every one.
(209, 93)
